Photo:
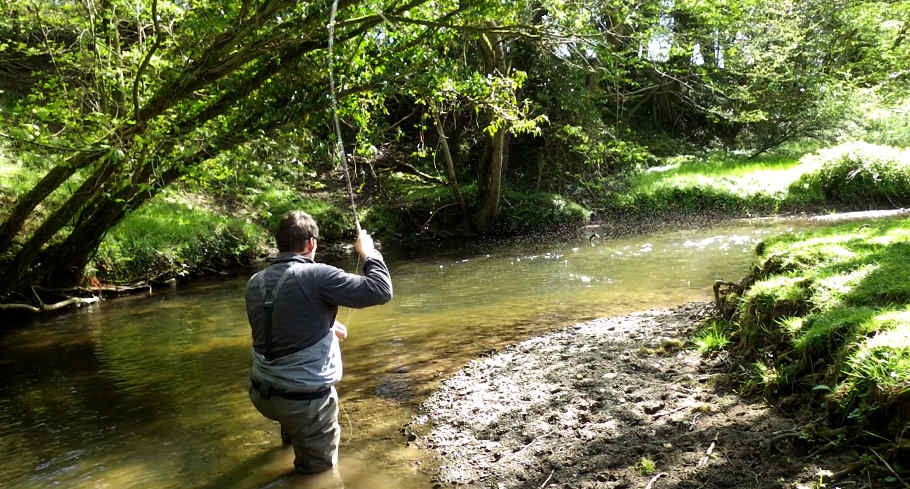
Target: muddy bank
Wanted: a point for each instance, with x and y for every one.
(611, 403)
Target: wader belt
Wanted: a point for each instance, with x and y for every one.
(267, 391)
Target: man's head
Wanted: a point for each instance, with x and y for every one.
(294, 232)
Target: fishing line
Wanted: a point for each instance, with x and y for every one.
(339, 146)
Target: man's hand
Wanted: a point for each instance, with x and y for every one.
(364, 246)
(341, 331)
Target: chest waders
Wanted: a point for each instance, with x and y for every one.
(264, 387)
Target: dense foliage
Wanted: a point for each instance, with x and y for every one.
(461, 117)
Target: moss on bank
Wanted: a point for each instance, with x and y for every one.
(827, 313)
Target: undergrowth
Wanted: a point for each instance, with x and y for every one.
(173, 237)
(851, 175)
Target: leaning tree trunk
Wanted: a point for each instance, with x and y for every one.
(450, 165)
(47, 185)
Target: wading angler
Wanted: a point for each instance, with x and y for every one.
(292, 306)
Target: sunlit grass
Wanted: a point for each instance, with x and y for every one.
(15, 179)
(713, 337)
(735, 174)
(835, 311)
(848, 175)
(646, 466)
(172, 235)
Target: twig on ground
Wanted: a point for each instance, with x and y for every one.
(669, 411)
(654, 479)
(704, 460)
(890, 469)
(548, 479)
(514, 454)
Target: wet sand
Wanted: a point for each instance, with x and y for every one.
(617, 402)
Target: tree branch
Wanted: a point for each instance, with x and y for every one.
(78, 301)
(145, 61)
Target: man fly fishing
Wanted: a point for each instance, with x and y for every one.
(292, 305)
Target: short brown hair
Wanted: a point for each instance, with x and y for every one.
(295, 230)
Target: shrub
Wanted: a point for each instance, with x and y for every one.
(540, 212)
(854, 173)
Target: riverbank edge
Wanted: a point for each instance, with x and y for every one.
(604, 226)
(613, 403)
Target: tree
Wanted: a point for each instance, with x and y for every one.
(128, 106)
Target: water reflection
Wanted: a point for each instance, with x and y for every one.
(151, 392)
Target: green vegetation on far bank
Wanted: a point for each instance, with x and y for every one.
(850, 176)
(172, 237)
(825, 316)
(183, 232)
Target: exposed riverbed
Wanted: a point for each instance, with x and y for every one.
(150, 391)
(611, 403)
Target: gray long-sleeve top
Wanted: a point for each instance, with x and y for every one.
(307, 302)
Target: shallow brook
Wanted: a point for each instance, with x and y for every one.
(150, 391)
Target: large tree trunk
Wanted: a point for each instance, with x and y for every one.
(27, 203)
(490, 177)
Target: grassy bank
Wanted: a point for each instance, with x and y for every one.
(798, 179)
(824, 323)
(175, 235)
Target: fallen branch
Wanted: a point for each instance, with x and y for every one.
(79, 301)
(893, 472)
(669, 411)
(426, 225)
(104, 289)
(411, 169)
(704, 460)
(515, 454)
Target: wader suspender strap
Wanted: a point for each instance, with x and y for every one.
(268, 303)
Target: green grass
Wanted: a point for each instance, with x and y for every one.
(15, 178)
(724, 172)
(712, 337)
(646, 466)
(833, 308)
(721, 181)
(173, 236)
(850, 175)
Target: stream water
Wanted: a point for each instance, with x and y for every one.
(150, 392)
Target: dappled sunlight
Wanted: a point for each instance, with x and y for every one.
(831, 291)
(581, 408)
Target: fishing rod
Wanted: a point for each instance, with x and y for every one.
(339, 146)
